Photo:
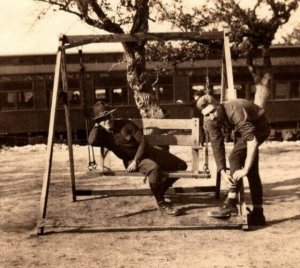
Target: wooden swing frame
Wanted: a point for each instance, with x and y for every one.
(67, 42)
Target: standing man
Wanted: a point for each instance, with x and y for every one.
(251, 128)
(127, 142)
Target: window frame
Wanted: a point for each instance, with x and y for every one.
(24, 89)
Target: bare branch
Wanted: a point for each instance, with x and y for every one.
(107, 24)
(63, 7)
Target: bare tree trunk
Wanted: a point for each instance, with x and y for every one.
(262, 91)
(261, 79)
(139, 81)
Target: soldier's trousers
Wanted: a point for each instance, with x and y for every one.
(156, 161)
(237, 160)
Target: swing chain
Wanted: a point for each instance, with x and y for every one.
(207, 76)
(205, 166)
(92, 163)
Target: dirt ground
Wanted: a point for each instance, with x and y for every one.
(275, 245)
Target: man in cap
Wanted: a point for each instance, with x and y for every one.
(127, 142)
(251, 128)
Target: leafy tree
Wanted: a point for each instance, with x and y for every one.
(251, 32)
(125, 16)
(294, 37)
(115, 19)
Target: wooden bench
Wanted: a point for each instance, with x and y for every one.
(166, 132)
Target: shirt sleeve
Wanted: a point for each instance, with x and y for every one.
(217, 143)
(94, 137)
(243, 125)
(138, 135)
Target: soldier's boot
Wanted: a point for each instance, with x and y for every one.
(256, 217)
(162, 206)
(228, 209)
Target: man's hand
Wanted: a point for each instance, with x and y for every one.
(132, 166)
(227, 178)
(237, 175)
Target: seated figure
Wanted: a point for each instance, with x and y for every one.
(128, 143)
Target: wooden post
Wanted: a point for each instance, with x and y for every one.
(47, 173)
(218, 185)
(195, 150)
(223, 82)
(231, 94)
(68, 121)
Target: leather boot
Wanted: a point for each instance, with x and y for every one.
(256, 217)
(162, 206)
(227, 210)
(165, 208)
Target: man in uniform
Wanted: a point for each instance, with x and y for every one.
(127, 142)
(251, 128)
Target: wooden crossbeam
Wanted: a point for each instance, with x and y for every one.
(142, 192)
(181, 140)
(182, 124)
(172, 174)
(79, 40)
(95, 228)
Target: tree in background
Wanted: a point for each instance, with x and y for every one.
(252, 27)
(294, 37)
(127, 14)
(119, 17)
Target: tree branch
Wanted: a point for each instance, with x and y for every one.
(251, 67)
(140, 19)
(108, 25)
(63, 7)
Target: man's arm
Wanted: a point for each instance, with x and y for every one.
(252, 146)
(246, 128)
(95, 135)
(138, 135)
(217, 144)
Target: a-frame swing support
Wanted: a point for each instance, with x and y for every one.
(66, 42)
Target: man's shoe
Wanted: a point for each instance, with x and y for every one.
(165, 208)
(227, 210)
(256, 217)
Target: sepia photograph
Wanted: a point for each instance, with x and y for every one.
(150, 133)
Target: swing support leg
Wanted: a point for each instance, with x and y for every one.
(231, 94)
(60, 67)
(68, 122)
(47, 173)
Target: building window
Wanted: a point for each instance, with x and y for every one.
(74, 93)
(8, 100)
(112, 95)
(16, 96)
(281, 90)
(295, 90)
(164, 93)
(119, 96)
(25, 100)
(101, 94)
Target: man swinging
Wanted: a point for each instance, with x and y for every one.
(127, 142)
